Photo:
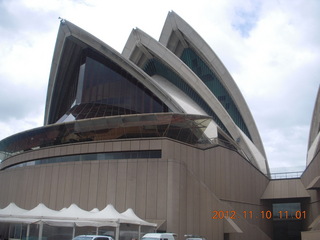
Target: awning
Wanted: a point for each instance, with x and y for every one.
(71, 216)
(129, 213)
(11, 210)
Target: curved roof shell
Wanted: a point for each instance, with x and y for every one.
(141, 49)
(314, 135)
(177, 35)
(71, 42)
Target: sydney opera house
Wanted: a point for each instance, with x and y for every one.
(161, 128)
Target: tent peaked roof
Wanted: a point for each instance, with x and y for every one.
(111, 214)
(40, 211)
(94, 210)
(11, 210)
(129, 213)
(73, 212)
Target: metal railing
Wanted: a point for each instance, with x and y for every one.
(283, 175)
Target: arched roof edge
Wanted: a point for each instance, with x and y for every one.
(140, 37)
(175, 22)
(68, 29)
(315, 122)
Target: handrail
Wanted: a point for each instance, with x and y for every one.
(286, 175)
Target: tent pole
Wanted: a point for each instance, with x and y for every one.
(73, 230)
(139, 234)
(40, 230)
(117, 231)
(21, 225)
(97, 230)
(28, 231)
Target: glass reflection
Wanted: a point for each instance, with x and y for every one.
(105, 89)
(210, 79)
(185, 128)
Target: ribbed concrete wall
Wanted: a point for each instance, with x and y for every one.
(182, 187)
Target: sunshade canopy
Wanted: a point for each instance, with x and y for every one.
(71, 216)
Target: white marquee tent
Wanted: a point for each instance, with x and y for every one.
(72, 216)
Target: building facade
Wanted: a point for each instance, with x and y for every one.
(161, 128)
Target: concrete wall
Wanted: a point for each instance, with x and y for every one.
(182, 188)
(311, 235)
(313, 206)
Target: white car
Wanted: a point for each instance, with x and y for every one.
(92, 237)
(159, 236)
(192, 237)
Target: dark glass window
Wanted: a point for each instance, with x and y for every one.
(287, 221)
(285, 211)
(109, 90)
(193, 61)
(94, 156)
(100, 87)
(65, 86)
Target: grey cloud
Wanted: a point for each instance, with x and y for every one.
(19, 101)
(17, 19)
(6, 19)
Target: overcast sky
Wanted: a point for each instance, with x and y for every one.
(271, 48)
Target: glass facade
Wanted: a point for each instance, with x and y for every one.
(155, 66)
(182, 127)
(287, 220)
(116, 91)
(285, 211)
(105, 89)
(209, 78)
(64, 87)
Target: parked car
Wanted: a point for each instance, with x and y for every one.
(195, 238)
(93, 237)
(159, 236)
(192, 237)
